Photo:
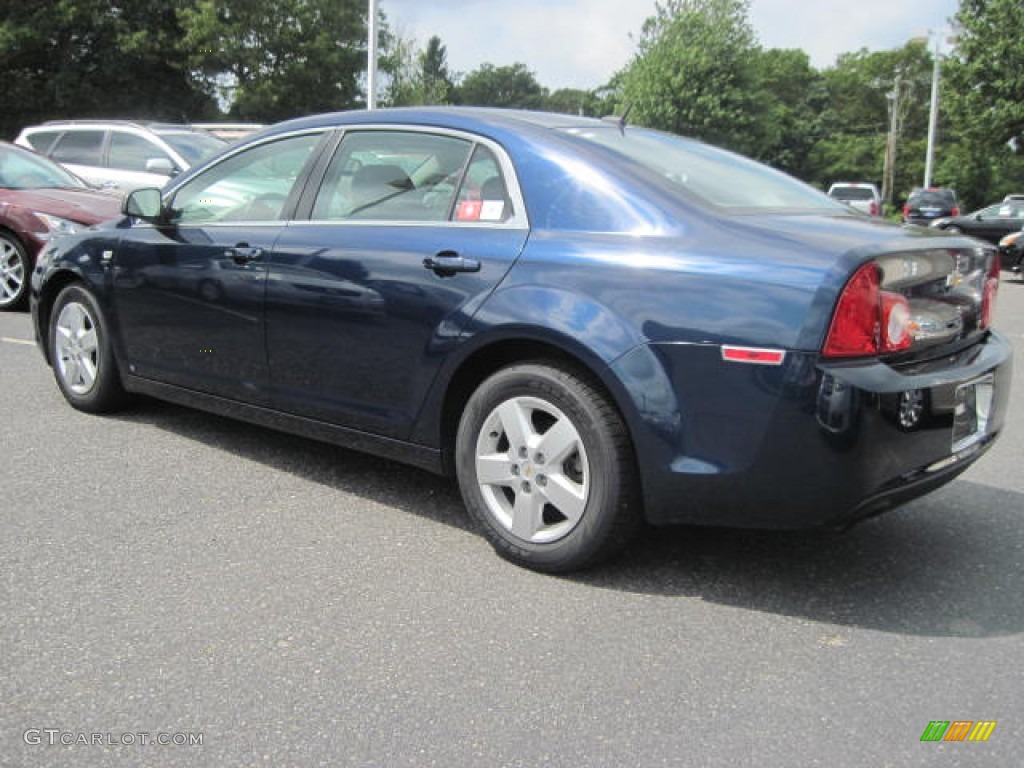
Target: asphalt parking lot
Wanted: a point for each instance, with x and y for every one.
(166, 573)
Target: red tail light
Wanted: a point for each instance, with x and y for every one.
(906, 210)
(874, 208)
(868, 320)
(988, 297)
(955, 211)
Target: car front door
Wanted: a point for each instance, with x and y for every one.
(189, 293)
(408, 232)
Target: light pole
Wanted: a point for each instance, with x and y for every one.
(933, 119)
(371, 57)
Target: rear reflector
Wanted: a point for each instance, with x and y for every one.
(753, 355)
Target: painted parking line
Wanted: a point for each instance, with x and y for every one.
(9, 340)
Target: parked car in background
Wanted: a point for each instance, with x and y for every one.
(121, 153)
(926, 205)
(588, 324)
(1011, 251)
(38, 200)
(229, 131)
(992, 223)
(860, 196)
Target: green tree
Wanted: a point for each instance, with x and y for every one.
(984, 91)
(271, 61)
(695, 74)
(790, 96)
(417, 76)
(854, 124)
(94, 58)
(513, 86)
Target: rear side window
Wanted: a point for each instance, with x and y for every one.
(483, 195)
(79, 147)
(129, 152)
(392, 176)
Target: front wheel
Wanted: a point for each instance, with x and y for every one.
(546, 468)
(14, 272)
(80, 352)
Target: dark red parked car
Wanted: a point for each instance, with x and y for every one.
(39, 200)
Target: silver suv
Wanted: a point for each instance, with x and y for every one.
(121, 153)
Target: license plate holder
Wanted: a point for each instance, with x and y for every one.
(972, 412)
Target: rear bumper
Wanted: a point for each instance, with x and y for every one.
(810, 443)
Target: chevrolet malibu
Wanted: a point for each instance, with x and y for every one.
(590, 325)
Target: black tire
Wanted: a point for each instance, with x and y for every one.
(581, 504)
(80, 352)
(15, 271)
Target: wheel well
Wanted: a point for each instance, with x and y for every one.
(481, 364)
(44, 306)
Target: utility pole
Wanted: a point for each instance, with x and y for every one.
(897, 99)
(371, 57)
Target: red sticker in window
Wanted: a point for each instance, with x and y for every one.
(469, 210)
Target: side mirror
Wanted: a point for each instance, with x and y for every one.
(143, 204)
(161, 165)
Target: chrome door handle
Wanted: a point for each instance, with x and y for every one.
(447, 263)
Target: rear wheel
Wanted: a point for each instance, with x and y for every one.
(954, 230)
(80, 351)
(14, 272)
(546, 468)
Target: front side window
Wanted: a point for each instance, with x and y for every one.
(392, 176)
(79, 147)
(129, 152)
(252, 185)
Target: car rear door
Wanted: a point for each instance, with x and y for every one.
(408, 231)
(189, 294)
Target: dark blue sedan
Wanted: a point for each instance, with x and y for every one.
(590, 325)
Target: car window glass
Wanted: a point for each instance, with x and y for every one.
(392, 176)
(20, 169)
(41, 141)
(250, 186)
(81, 147)
(483, 195)
(194, 146)
(129, 152)
(707, 173)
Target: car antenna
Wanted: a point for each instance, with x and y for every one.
(619, 120)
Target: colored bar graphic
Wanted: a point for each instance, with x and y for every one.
(935, 730)
(982, 730)
(958, 730)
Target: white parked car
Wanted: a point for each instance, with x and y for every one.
(859, 195)
(121, 153)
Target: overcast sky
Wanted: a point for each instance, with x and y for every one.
(581, 43)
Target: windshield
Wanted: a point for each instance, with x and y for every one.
(21, 169)
(194, 146)
(710, 174)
